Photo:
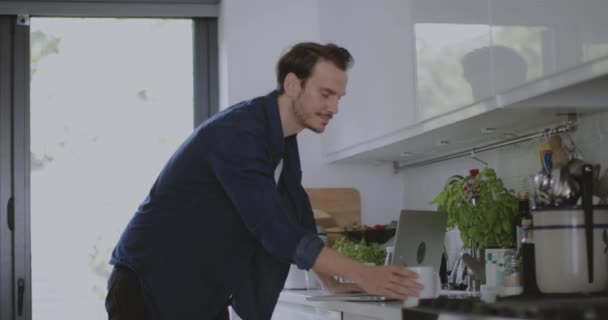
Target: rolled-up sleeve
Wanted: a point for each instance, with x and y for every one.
(243, 166)
(308, 250)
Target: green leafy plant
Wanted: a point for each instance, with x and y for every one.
(360, 251)
(482, 208)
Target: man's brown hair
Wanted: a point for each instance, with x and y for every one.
(302, 58)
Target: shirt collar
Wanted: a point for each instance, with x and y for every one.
(277, 143)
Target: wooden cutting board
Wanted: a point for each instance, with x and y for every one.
(342, 205)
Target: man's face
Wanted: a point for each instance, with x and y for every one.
(317, 101)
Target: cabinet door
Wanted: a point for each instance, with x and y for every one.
(453, 64)
(380, 91)
(536, 39)
(292, 311)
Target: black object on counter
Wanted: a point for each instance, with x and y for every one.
(588, 211)
(443, 270)
(379, 236)
(542, 307)
(523, 217)
(530, 288)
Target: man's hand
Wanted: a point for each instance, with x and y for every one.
(392, 281)
(332, 285)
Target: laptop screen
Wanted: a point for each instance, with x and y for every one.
(420, 238)
(419, 241)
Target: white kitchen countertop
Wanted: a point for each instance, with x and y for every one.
(383, 310)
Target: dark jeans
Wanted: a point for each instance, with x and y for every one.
(125, 300)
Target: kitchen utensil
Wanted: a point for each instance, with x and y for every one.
(560, 186)
(554, 188)
(565, 182)
(600, 187)
(575, 167)
(560, 155)
(542, 193)
(588, 211)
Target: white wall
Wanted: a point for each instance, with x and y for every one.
(381, 190)
(252, 36)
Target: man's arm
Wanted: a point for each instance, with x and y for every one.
(393, 281)
(329, 283)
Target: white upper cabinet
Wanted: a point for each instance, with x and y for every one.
(433, 77)
(543, 45)
(380, 91)
(452, 57)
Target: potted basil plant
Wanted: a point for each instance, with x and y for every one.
(482, 208)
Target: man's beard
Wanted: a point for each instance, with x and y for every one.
(301, 119)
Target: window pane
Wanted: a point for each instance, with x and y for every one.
(111, 99)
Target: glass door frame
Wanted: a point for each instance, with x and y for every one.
(7, 226)
(15, 246)
(14, 169)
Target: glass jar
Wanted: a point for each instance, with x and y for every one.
(512, 270)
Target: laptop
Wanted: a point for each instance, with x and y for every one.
(418, 241)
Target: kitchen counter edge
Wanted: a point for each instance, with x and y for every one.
(380, 310)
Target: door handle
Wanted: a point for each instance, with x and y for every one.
(20, 294)
(10, 213)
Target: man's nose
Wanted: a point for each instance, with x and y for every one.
(333, 106)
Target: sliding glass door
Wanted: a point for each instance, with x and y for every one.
(14, 168)
(6, 175)
(111, 99)
(106, 103)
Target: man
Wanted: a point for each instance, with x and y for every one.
(228, 214)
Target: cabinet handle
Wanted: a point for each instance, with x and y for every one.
(10, 213)
(20, 292)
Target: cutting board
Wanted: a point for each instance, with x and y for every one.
(335, 208)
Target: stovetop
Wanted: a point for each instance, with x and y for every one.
(570, 307)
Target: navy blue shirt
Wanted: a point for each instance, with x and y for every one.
(216, 227)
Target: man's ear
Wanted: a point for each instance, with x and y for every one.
(292, 85)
